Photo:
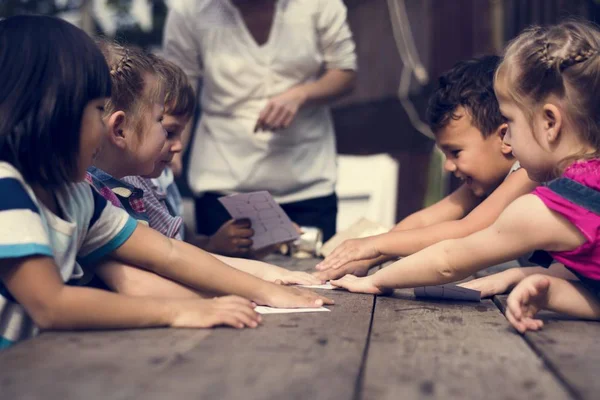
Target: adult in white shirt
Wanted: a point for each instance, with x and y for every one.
(268, 69)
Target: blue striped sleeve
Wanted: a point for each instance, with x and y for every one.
(116, 242)
(99, 204)
(14, 196)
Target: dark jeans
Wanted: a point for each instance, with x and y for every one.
(320, 212)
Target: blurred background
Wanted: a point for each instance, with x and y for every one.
(402, 46)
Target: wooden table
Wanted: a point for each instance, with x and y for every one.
(366, 348)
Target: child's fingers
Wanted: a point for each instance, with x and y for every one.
(230, 320)
(243, 233)
(302, 278)
(513, 304)
(319, 300)
(242, 223)
(242, 242)
(514, 321)
(532, 324)
(334, 261)
(245, 318)
(233, 299)
(327, 275)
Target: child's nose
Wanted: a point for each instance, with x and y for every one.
(177, 147)
(449, 166)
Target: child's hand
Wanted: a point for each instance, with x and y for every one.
(292, 297)
(234, 311)
(232, 239)
(291, 278)
(356, 268)
(526, 299)
(491, 285)
(359, 285)
(350, 250)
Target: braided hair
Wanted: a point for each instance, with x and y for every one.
(130, 68)
(562, 61)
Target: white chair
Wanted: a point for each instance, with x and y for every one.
(367, 187)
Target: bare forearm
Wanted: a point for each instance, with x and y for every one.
(516, 275)
(86, 308)
(133, 281)
(253, 267)
(333, 84)
(421, 269)
(201, 271)
(405, 243)
(571, 298)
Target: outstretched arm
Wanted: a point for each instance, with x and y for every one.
(407, 242)
(37, 286)
(525, 225)
(197, 269)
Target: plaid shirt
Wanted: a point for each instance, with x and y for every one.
(155, 202)
(119, 193)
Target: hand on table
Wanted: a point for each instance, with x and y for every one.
(359, 285)
(356, 268)
(234, 311)
(348, 251)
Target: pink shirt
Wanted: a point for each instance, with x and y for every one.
(585, 259)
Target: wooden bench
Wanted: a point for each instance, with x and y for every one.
(367, 347)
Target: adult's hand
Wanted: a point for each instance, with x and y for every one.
(281, 110)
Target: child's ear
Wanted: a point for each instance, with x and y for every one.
(551, 122)
(501, 132)
(116, 129)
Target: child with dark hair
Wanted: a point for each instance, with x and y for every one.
(52, 100)
(52, 224)
(464, 115)
(546, 87)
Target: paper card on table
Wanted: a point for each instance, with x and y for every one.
(327, 285)
(270, 223)
(450, 292)
(272, 310)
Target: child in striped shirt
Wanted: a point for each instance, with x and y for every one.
(53, 225)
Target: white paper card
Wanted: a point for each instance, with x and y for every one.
(272, 310)
(270, 223)
(327, 285)
(450, 292)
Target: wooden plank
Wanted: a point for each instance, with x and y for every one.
(91, 365)
(570, 348)
(450, 350)
(292, 356)
(317, 355)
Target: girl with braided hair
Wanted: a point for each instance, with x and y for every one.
(547, 87)
(134, 147)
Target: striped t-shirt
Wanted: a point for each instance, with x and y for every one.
(88, 229)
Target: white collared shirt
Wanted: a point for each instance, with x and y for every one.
(209, 39)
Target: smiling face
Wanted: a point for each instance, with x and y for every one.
(174, 126)
(481, 162)
(93, 135)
